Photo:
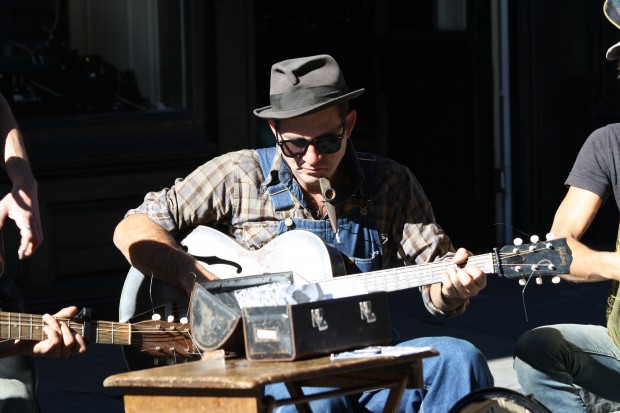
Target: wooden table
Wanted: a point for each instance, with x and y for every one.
(236, 385)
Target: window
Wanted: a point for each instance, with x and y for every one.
(73, 57)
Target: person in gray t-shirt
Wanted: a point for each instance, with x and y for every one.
(575, 367)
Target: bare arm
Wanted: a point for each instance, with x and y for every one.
(21, 204)
(571, 221)
(151, 250)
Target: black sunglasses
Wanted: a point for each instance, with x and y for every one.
(325, 144)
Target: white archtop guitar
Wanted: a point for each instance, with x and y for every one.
(311, 260)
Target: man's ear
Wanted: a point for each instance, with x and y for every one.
(272, 126)
(350, 122)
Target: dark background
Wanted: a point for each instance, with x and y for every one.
(97, 144)
(433, 100)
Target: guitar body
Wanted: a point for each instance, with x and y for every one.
(309, 259)
(226, 258)
(143, 296)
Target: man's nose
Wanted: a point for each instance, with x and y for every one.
(312, 154)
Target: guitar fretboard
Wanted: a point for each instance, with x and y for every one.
(404, 277)
(30, 327)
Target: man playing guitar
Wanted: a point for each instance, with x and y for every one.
(375, 213)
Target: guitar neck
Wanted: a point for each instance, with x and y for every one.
(401, 278)
(30, 327)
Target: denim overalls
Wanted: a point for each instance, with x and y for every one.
(357, 231)
(461, 366)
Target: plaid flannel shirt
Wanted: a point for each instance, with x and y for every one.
(229, 193)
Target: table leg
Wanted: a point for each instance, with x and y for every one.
(396, 393)
(269, 403)
(294, 390)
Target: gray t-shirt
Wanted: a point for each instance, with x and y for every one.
(596, 167)
(596, 170)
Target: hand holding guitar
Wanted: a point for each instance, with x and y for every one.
(458, 283)
(21, 205)
(58, 340)
(61, 340)
(68, 332)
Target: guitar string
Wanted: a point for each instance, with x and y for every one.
(111, 332)
(527, 282)
(33, 330)
(527, 277)
(401, 275)
(523, 296)
(377, 279)
(176, 314)
(107, 332)
(151, 292)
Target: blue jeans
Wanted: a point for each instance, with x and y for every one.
(551, 361)
(459, 369)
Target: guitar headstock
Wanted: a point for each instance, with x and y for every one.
(161, 338)
(540, 258)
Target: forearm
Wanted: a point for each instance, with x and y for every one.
(589, 265)
(15, 348)
(16, 162)
(14, 157)
(151, 250)
(571, 221)
(7, 122)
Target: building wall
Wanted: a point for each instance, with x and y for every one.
(428, 103)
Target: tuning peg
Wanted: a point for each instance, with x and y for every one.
(518, 241)
(156, 317)
(556, 279)
(184, 320)
(170, 318)
(539, 280)
(549, 236)
(534, 238)
(522, 281)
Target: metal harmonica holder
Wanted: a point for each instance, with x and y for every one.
(328, 195)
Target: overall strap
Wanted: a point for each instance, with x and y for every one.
(280, 196)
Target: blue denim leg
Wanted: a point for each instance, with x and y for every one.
(551, 361)
(459, 369)
(334, 405)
